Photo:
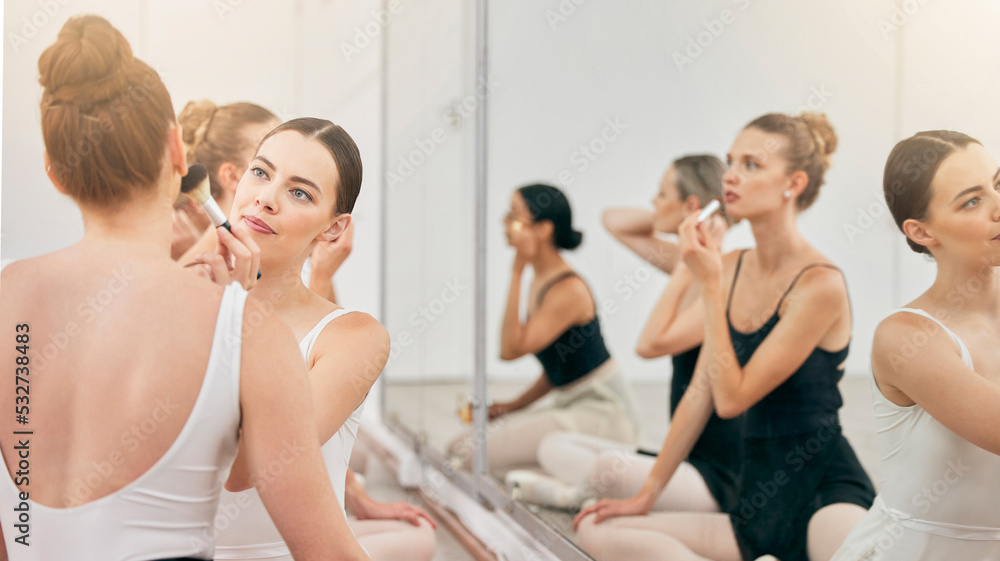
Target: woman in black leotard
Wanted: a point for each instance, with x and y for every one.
(776, 352)
(706, 480)
(563, 331)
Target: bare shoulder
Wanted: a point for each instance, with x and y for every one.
(905, 336)
(21, 271)
(358, 334)
(822, 281)
(569, 289)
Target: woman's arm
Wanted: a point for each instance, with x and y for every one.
(807, 319)
(816, 305)
(633, 227)
(279, 427)
(559, 311)
(669, 329)
(364, 507)
(534, 392)
(352, 351)
(935, 378)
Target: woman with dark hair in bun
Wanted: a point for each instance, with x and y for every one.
(563, 331)
(936, 363)
(159, 378)
(776, 323)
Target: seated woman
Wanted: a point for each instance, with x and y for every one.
(706, 480)
(300, 188)
(563, 332)
(777, 326)
(152, 373)
(936, 364)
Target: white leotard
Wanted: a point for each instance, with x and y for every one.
(940, 494)
(168, 510)
(245, 529)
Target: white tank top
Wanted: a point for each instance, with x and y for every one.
(245, 531)
(168, 510)
(932, 479)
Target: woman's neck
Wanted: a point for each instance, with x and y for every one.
(281, 284)
(966, 288)
(778, 240)
(139, 227)
(547, 261)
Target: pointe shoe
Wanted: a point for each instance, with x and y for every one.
(533, 487)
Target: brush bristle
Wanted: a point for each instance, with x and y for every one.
(195, 183)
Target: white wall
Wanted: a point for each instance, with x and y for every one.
(564, 79)
(286, 56)
(429, 261)
(560, 69)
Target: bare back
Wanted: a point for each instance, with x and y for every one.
(116, 362)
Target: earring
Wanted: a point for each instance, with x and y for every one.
(788, 194)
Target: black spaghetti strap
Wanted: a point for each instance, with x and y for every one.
(732, 289)
(799, 276)
(548, 285)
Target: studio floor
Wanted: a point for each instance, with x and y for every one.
(429, 409)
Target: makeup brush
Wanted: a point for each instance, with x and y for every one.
(711, 208)
(195, 185)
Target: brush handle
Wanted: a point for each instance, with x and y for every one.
(215, 214)
(218, 218)
(710, 209)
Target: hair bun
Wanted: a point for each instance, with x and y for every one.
(195, 119)
(826, 138)
(570, 239)
(85, 63)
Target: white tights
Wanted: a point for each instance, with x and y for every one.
(696, 536)
(604, 468)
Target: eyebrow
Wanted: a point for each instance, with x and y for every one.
(294, 178)
(966, 192)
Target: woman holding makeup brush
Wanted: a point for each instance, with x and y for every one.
(299, 190)
(706, 480)
(777, 325)
(137, 377)
(223, 139)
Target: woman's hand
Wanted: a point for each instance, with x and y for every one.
(638, 505)
(701, 247)
(501, 408)
(237, 258)
(521, 260)
(374, 510)
(327, 257)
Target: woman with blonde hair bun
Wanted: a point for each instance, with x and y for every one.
(777, 326)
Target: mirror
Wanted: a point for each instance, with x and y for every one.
(428, 287)
(598, 99)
